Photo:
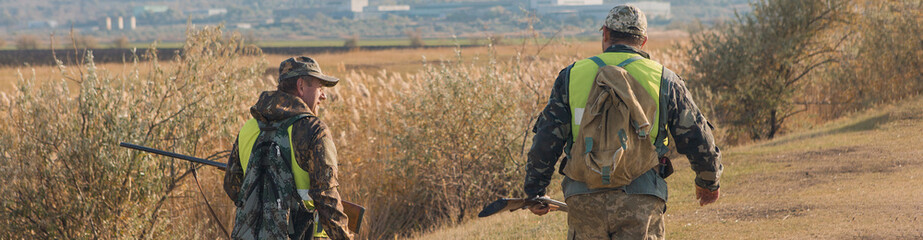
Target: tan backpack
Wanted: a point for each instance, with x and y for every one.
(612, 147)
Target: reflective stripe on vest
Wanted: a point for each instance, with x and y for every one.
(245, 141)
(583, 74)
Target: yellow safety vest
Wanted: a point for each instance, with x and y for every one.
(245, 141)
(583, 74)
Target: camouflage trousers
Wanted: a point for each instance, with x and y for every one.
(614, 215)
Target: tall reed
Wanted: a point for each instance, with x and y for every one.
(66, 175)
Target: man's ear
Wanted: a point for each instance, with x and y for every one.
(605, 34)
(645, 42)
(298, 85)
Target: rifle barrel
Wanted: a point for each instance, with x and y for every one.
(547, 200)
(222, 166)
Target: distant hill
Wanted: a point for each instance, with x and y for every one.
(264, 19)
(85, 11)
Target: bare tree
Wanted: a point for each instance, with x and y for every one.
(24, 42)
(85, 41)
(416, 39)
(352, 42)
(757, 63)
(121, 42)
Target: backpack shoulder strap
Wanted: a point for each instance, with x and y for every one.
(284, 124)
(599, 62)
(288, 122)
(665, 96)
(629, 61)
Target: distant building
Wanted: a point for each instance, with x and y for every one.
(561, 9)
(545, 3)
(42, 24)
(377, 12)
(139, 10)
(203, 13)
(595, 9)
(342, 5)
(570, 8)
(653, 9)
(107, 24)
(357, 5)
(329, 8)
(435, 10)
(390, 8)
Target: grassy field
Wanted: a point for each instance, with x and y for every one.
(426, 136)
(395, 61)
(854, 178)
(563, 51)
(11, 44)
(834, 181)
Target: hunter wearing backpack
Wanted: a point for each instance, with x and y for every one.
(282, 171)
(611, 115)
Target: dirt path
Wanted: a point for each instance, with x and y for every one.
(859, 178)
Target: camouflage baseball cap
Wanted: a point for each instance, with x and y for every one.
(301, 66)
(628, 19)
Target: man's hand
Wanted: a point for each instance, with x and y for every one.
(704, 196)
(540, 209)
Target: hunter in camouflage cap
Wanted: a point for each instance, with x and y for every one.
(628, 19)
(301, 66)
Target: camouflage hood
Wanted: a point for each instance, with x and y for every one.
(277, 106)
(315, 153)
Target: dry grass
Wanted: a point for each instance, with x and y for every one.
(421, 143)
(855, 178)
(826, 183)
(69, 178)
(434, 145)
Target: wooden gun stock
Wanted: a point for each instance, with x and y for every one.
(513, 204)
(354, 212)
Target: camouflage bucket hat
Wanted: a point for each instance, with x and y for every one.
(627, 19)
(301, 66)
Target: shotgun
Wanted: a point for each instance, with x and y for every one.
(513, 204)
(354, 212)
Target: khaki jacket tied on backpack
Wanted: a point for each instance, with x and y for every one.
(613, 146)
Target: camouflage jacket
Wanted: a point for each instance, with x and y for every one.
(690, 131)
(314, 152)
